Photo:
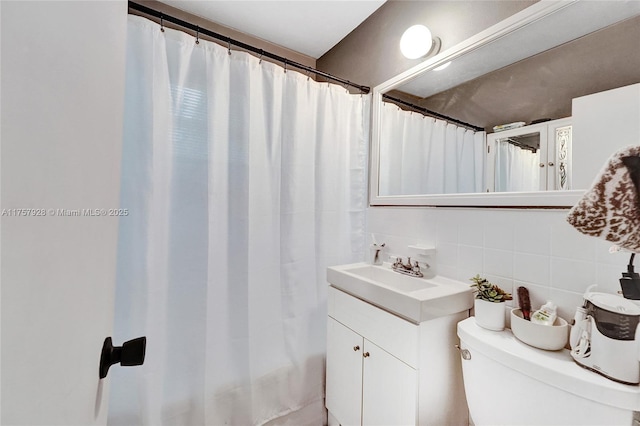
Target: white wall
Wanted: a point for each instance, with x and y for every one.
(62, 105)
(537, 249)
(602, 124)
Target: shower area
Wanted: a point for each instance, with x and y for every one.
(243, 181)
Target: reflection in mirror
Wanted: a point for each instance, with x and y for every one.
(527, 68)
(530, 158)
(517, 160)
(424, 155)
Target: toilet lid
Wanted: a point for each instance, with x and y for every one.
(613, 303)
(555, 368)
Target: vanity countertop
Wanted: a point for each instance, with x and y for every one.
(415, 299)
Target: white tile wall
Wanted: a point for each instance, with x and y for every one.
(537, 249)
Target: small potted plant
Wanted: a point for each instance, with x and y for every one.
(488, 304)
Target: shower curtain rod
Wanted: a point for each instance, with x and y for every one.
(287, 62)
(519, 144)
(432, 113)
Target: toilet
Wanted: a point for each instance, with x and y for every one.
(507, 382)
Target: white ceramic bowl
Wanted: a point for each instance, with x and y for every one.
(548, 337)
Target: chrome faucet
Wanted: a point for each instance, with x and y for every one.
(408, 268)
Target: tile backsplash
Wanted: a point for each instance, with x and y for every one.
(537, 249)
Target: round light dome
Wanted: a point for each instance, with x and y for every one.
(416, 42)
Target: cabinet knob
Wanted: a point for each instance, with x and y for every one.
(366, 354)
(541, 164)
(551, 164)
(356, 348)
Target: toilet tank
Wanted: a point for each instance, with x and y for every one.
(510, 383)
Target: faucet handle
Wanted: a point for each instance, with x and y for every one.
(421, 265)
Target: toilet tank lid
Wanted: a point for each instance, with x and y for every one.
(613, 303)
(555, 368)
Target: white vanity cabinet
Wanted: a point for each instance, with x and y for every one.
(385, 370)
(368, 385)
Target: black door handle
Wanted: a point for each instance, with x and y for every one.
(129, 354)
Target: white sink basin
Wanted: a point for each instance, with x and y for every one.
(415, 299)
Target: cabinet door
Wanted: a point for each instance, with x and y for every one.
(559, 155)
(389, 389)
(344, 373)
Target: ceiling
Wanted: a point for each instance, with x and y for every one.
(308, 27)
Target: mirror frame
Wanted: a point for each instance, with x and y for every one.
(538, 199)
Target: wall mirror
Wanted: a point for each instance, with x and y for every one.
(523, 72)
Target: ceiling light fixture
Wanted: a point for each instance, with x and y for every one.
(417, 42)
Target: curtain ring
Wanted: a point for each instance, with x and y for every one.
(229, 47)
(308, 76)
(161, 23)
(260, 58)
(285, 66)
(197, 34)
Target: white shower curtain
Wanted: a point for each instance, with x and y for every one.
(517, 169)
(422, 155)
(242, 183)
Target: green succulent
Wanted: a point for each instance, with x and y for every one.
(487, 291)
